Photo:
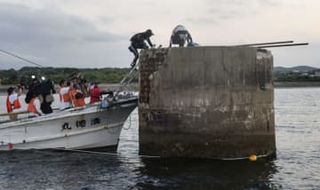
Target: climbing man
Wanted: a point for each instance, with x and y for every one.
(138, 42)
(180, 36)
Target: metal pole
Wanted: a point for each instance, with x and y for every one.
(283, 45)
(266, 43)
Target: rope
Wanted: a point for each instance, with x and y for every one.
(21, 58)
(140, 156)
(243, 158)
(103, 153)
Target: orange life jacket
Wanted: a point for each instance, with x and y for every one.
(31, 107)
(72, 94)
(16, 104)
(79, 99)
(65, 97)
(79, 102)
(9, 107)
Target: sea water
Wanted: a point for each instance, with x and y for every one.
(296, 166)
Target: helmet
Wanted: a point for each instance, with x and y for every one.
(149, 32)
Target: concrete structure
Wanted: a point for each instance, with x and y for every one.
(206, 102)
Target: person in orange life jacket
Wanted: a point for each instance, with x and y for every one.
(65, 100)
(79, 98)
(138, 42)
(33, 90)
(72, 93)
(34, 107)
(95, 94)
(12, 102)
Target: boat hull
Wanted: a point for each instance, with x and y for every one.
(70, 129)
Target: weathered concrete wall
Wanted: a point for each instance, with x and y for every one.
(206, 102)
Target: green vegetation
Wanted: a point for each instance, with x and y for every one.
(114, 75)
(104, 75)
(296, 74)
(296, 78)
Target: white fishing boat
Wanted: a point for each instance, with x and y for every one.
(85, 128)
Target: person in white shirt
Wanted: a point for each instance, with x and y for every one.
(13, 98)
(13, 103)
(65, 99)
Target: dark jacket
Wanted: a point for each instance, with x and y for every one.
(138, 40)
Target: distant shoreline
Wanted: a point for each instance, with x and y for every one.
(296, 84)
(112, 86)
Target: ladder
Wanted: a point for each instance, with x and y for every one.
(128, 78)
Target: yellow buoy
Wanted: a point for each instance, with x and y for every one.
(253, 157)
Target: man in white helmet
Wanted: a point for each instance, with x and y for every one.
(180, 36)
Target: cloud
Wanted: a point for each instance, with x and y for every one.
(22, 25)
(201, 20)
(300, 55)
(96, 33)
(222, 10)
(43, 34)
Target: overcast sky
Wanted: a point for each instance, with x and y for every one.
(95, 33)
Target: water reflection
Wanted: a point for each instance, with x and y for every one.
(206, 174)
(65, 170)
(47, 169)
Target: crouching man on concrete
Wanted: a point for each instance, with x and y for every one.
(180, 36)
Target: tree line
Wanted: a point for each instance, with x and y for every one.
(110, 75)
(103, 75)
